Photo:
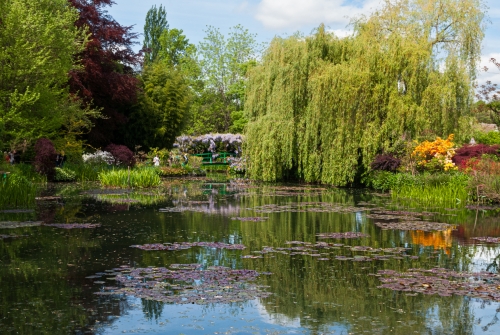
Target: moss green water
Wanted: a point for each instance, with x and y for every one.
(44, 287)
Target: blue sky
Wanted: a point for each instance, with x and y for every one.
(268, 18)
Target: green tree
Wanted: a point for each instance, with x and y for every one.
(224, 64)
(156, 24)
(162, 110)
(38, 46)
(322, 107)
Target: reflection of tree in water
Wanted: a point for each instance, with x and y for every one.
(152, 309)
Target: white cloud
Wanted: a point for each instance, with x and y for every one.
(280, 14)
(342, 32)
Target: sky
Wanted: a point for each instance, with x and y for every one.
(269, 18)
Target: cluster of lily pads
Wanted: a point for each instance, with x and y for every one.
(323, 251)
(402, 220)
(443, 282)
(487, 239)
(249, 218)
(2, 237)
(307, 207)
(348, 234)
(185, 284)
(19, 224)
(74, 225)
(188, 245)
(182, 209)
(416, 225)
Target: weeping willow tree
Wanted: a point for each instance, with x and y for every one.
(322, 107)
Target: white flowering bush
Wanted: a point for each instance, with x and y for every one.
(210, 143)
(99, 157)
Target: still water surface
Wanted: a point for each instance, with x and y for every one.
(49, 276)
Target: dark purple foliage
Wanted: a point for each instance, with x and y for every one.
(463, 154)
(122, 154)
(45, 157)
(386, 162)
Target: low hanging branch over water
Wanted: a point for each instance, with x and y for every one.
(322, 107)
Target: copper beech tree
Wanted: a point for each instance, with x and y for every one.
(106, 78)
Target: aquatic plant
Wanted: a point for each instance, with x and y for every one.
(307, 207)
(342, 235)
(442, 282)
(323, 251)
(255, 219)
(186, 284)
(188, 245)
(74, 225)
(134, 178)
(415, 225)
(487, 239)
(17, 191)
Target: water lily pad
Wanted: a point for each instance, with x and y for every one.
(74, 225)
(18, 224)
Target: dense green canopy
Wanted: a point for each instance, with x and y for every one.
(322, 107)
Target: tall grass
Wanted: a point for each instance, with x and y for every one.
(133, 178)
(17, 191)
(450, 189)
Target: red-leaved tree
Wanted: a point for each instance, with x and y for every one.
(45, 159)
(106, 79)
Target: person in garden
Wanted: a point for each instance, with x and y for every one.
(12, 157)
(156, 161)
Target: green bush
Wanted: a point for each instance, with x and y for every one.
(64, 174)
(134, 178)
(173, 171)
(489, 138)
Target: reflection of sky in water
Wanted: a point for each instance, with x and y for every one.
(251, 317)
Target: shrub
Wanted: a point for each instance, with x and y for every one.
(489, 138)
(64, 174)
(209, 143)
(45, 158)
(485, 179)
(173, 171)
(237, 165)
(121, 154)
(99, 158)
(465, 153)
(385, 162)
(436, 155)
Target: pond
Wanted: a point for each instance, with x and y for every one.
(200, 257)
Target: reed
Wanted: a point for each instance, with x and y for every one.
(444, 189)
(134, 178)
(17, 191)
